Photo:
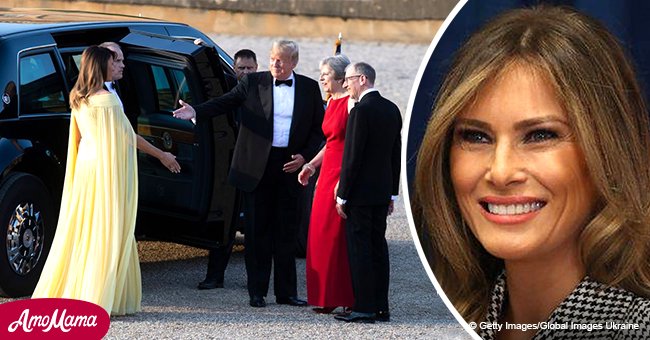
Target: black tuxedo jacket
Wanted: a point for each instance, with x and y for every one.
(371, 158)
(253, 96)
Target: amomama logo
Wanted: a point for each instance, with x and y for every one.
(52, 319)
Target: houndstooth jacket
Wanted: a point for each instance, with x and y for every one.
(592, 311)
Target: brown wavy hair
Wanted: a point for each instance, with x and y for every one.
(597, 87)
(92, 74)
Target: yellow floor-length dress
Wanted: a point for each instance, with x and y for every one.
(94, 256)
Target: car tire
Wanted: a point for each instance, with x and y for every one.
(27, 225)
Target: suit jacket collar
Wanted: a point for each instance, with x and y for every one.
(369, 93)
(298, 103)
(265, 88)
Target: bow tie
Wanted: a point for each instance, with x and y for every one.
(287, 82)
(109, 86)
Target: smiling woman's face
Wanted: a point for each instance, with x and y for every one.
(518, 173)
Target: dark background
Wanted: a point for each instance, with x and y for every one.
(626, 19)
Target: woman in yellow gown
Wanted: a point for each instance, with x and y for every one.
(94, 254)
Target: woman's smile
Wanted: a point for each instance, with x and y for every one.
(519, 175)
(510, 210)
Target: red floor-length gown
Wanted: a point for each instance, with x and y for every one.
(328, 271)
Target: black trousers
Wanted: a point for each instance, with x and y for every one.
(270, 229)
(368, 253)
(218, 257)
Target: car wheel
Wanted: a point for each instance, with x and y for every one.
(27, 223)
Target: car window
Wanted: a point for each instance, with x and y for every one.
(41, 86)
(72, 64)
(163, 89)
(171, 85)
(184, 92)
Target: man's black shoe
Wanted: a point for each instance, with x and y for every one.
(382, 316)
(357, 317)
(210, 284)
(291, 301)
(257, 301)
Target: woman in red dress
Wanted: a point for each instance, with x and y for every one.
(328, 272)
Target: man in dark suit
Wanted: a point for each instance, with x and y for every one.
(167, 159)
(118, 67)
(369, 183)
(281, 114)
(245, 63)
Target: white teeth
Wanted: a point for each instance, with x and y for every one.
(514, 209)
(519, 209)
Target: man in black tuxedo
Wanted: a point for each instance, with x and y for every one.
(369, 183)
(281, 114)
(167, 159)
(245, 62)
(118, 67)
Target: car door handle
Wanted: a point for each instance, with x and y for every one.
(167, 140)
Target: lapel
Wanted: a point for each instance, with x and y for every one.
(116, 86)
(298, 105)
(265, 88)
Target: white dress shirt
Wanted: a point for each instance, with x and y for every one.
(283, 100)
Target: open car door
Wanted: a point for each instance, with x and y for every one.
(197, 206)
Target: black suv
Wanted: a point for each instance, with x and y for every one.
(40, 52)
